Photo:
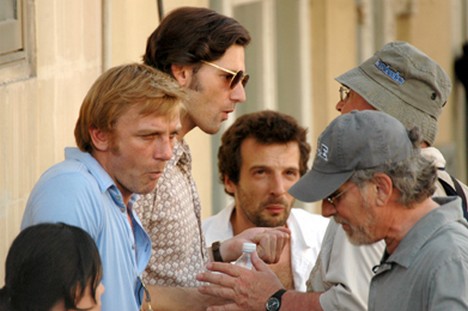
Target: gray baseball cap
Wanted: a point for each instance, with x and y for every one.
(354, 141)
(405, 83)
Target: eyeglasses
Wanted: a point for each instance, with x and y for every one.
(344, 93)
(335, 195)
(236, 77)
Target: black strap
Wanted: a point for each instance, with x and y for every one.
(458, 191)
(216, 251)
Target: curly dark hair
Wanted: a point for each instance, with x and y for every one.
(266, 127)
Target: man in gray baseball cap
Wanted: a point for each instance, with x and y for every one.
(407, 84)
(356, 141)
(373, 180)
(378, 187)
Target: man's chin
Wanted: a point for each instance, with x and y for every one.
(271, 223)
(359, 239)
(148, 189)
(210, 130)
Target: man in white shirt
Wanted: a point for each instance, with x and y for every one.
(261, 156)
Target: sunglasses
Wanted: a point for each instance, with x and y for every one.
(236, 77)
(332, 198)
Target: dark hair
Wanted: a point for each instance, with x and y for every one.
(47, 263)
(266, 127)
(188, 35)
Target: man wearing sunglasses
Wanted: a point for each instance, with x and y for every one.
(204, 52)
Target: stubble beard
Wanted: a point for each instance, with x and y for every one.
(361, 234)
(255, 213)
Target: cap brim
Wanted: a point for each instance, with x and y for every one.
(316, 186)
(382, 99)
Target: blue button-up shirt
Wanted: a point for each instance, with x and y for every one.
(78, 191)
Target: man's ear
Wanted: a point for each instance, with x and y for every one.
(183, 74)
(384, 188)
(101, 140)
(229, 186)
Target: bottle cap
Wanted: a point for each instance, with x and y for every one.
(249, 247)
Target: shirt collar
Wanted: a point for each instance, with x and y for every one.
(103, 179)
(424, 229)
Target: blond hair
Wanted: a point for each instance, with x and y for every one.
(121, 88)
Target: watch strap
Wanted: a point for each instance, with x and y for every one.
(216, 252)
(277, 295)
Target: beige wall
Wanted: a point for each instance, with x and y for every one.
(333, 52)
(37, 115)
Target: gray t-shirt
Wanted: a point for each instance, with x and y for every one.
(429, 268)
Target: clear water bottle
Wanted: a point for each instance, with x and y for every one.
(245, 260)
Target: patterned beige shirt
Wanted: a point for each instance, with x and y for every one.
(172, 217)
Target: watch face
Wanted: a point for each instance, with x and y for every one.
(273, 304)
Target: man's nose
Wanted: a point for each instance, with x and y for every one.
(328, 209)
(164, 150)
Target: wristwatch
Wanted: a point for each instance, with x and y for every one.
(216, 252)
(274, 302)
